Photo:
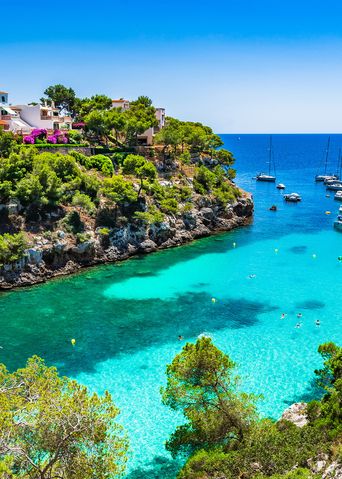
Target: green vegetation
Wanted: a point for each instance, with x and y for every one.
(126, 183)
(52, 427)
(224, 438)
(12, 247)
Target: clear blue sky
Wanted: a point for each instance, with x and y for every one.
(238, 65)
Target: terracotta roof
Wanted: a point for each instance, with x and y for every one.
(2, 122)
(3, 91)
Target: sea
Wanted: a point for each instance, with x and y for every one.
(126, 317)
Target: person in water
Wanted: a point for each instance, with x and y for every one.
(282, 316)
(180, 338)
(298, 325)
(299, 315)
(317, 322)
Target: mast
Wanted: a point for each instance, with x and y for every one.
(326, 156)
(339, 164)
(270, 159)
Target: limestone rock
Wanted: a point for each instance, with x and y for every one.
(296, 414)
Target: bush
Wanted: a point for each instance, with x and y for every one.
(169, 205)
(12, 247)
(83, 201)
(150, 217)
(73, 222)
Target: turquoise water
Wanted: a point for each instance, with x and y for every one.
(126, 318)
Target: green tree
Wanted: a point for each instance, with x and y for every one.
(140, 167)
(83, 201)
(119, 190)
(63, 97)
(12, 248)
(140, 116)
(51, 427)
(201, 384)
(7, 143)
(96, 102)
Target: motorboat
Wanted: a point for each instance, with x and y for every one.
(281, 186)
(332, 179)
(338, 223)
(335, 186)
(338, 196)
(292, 198)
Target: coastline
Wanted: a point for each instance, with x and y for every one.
(50, 260)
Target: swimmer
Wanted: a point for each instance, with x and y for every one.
(283, 315)
(298, 325)
(251, 276)
(299, 315)
(180, 338)
(317, 323)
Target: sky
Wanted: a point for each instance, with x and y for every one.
(239, 66)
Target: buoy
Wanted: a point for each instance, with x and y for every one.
(73, 342)
(234, 245)
(276, 250)
(314, 256)
(213, 300)
(328, 212)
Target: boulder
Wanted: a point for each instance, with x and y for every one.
(296, 414)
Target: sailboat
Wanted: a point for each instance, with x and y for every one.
(264, 176)
(325, 177)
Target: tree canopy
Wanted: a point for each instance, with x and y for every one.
(52, 427)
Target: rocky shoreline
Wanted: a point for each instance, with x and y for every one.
(47, 259)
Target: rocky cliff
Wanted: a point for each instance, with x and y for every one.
(59, 253)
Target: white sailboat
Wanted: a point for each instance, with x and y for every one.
(267, 176)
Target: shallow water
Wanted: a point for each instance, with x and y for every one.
(126, 318)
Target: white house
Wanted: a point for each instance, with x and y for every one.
(25, 118)
(9, 118)
(43, 116)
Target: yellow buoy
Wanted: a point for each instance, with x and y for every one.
(213, 300)
(328, 212)
(314, 256)
(73, 342)
(276, 250)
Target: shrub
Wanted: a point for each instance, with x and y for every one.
(73, 222)
(169, 205)
(83, 201)
(12, 247)
(152, 216)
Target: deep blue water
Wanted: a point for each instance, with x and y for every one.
(126, 318)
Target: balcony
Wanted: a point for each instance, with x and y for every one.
(45, 117)
(5, 117)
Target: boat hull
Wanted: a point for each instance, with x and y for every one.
(266, 179)
(338, 225)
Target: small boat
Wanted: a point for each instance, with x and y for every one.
(281, 186)
(334, 186)
(333, 179)
(323, 178)
(340, 210)
(338, 223)
(292, 198)
(267, 177)
(273, 208)
(338, 196)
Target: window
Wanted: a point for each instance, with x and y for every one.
(3, 99)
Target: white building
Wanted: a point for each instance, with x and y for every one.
(25, 118)
(147, 137)
(43, 116)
